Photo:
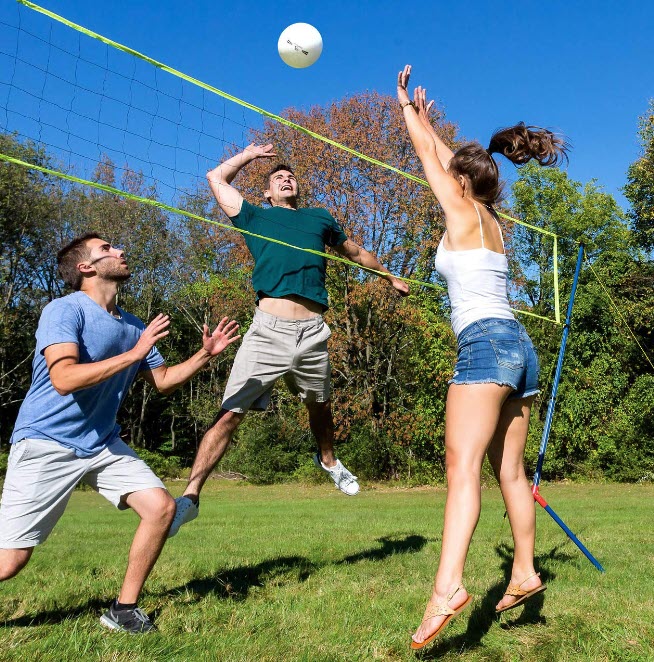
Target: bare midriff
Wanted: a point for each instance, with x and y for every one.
(291, 307)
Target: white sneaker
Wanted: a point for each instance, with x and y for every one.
(343, 479)
(186, 511)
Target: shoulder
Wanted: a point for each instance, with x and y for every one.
(62, 320)
(249, 208)
(247, 212)
(70, 304)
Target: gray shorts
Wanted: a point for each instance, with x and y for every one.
(276, 347)
(41, 476)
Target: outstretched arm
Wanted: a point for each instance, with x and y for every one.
(220, 178)
(166, 379)
(68, 375)
(361, 256)
(423, 107)
(447, 189)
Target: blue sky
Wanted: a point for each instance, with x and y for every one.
(582, 68)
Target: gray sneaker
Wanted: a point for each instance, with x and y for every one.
(133, 621)
(186, 511)
(345, 481)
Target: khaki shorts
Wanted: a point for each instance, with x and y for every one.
(276, 347)
(41, 476)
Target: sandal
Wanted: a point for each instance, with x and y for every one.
(515, 590)
(440, 609)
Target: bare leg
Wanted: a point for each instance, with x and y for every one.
(505, 454)
(321, 423)
(472, 414)
(212, 448)
(156, 508)
(12, 561)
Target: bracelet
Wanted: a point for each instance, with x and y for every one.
(407, 103)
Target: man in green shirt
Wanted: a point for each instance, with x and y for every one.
(288, 336)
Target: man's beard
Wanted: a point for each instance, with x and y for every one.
(117, 278)
(112, 271)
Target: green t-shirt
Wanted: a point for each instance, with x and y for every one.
(278, 270)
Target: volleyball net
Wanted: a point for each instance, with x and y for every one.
(97, 106)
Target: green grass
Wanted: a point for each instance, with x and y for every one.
(290, 573)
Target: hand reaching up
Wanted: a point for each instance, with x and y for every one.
(222, 336)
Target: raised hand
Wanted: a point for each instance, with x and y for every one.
(259, 151)
(153, 333)
(402, 84)
(222, 336)
(422, 106)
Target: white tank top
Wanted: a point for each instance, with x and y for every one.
(476, 282)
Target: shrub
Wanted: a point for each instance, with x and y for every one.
(626, 451)
(165, 466)
(268, 449)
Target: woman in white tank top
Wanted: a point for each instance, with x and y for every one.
(495, 377)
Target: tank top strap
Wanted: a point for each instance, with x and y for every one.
(481, 227)
(499, 228)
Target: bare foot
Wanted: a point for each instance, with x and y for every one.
(526, 585)
(431, 625)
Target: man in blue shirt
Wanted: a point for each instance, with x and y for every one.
(88, 353)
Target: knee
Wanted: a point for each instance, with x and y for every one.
(320, 411)
(314, 405)
(159, 510)
(458, 471)
(167, 510)
(12, 561)
(226, 422)
(509, 476)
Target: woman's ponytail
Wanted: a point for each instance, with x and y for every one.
(521, 143)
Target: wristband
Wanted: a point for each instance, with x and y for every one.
(407, 103)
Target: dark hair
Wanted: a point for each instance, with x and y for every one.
(519, 143)
(277, 168)
(70, 256)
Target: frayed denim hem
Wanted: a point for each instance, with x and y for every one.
(465, 382)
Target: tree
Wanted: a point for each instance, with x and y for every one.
(639, 189)
(29, 229)
(602, 362)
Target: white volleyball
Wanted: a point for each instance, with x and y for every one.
(300, 45)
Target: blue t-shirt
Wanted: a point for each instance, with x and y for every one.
(84, 421)
(278, 270)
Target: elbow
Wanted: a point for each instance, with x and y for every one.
(164, 388)
(61, 389)
(426, 150)
(215, 177)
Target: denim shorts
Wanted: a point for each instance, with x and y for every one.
(497, 351)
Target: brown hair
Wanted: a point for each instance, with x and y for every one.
(70, 256)
(519, 143)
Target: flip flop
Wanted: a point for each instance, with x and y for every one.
(435, 609)
(515, 590)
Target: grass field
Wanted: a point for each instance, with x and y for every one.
(304, 573)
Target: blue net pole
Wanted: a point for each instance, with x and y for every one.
(573, 537)
(559, 367)
(548, 421)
